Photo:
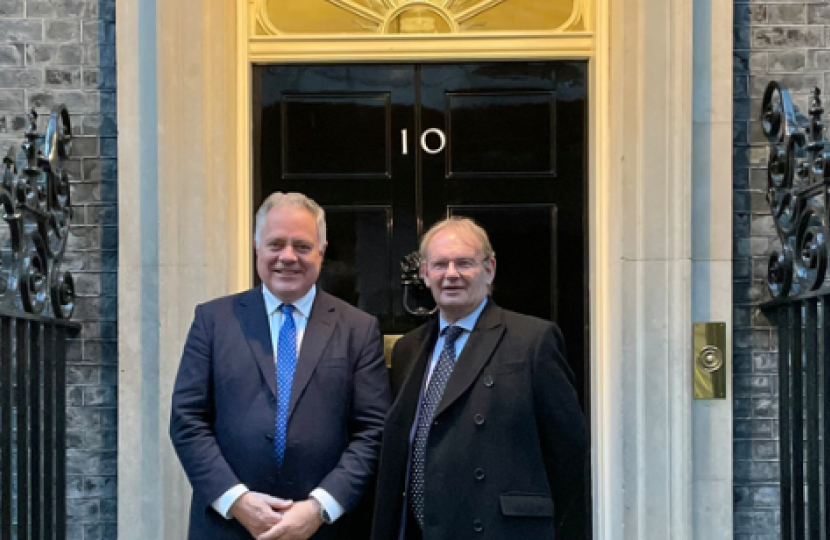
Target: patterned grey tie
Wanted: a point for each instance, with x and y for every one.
(429, 402)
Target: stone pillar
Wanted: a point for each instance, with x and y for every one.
(642, 251)
(712, 258)
(179, 217)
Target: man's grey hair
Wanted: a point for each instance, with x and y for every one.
(291, 200)
(458, 223)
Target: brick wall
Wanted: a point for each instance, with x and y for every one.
(63, 51)
(783, 41)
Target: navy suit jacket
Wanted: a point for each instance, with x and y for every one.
(224, 406)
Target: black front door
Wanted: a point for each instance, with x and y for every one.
(388, 150)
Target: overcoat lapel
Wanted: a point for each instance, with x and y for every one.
(407, 402)
(257, 331)
(477, 352)
(317, 334)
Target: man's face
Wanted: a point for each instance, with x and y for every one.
(457, 273)
(289, 257)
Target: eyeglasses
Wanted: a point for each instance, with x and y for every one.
(462, 266)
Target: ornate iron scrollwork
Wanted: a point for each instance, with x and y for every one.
(413, 286)
(798, 179)
(36, 208)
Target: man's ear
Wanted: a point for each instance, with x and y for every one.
(423, 270)
(323, 249)
(490, 269)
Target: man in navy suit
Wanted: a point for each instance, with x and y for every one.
(486, 438)
(281, 395)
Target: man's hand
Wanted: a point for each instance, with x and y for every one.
(298, 523)
(258, 512)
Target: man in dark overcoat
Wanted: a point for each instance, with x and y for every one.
(486, 438)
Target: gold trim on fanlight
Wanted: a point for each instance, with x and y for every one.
(447, 17)
(386, 11)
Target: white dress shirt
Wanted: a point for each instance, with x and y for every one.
(302, 311)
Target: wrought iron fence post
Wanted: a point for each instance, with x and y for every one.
(798, 193)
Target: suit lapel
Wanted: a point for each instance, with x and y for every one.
(477, 352)
(407, 402)
(257, 331)
(317, 334)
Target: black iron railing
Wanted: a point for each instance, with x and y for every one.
(36, 301)
(33, 452)
(798, 174)
(803, 382)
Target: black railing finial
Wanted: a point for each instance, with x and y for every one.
(36, 213)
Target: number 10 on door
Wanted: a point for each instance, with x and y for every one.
(426, 141)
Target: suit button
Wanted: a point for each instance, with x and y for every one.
(488, 381)
(435, 422)
(479, 474)
(478, 526)
(269, 436)
(479, 419)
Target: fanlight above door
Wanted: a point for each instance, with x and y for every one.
(391, 17)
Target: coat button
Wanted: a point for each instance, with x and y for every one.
(435, 422)
(488, 381)
(478, 419)
(479, 474)
(269, 436)
(478, 526)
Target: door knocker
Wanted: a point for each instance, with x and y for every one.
(414, 287)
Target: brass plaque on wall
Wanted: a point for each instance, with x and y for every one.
(709, 357)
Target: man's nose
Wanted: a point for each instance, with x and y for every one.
(288, 254)
(452, 271)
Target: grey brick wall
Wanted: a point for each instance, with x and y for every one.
(783, 41)
(63, 51)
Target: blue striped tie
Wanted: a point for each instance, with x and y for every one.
(286, 362)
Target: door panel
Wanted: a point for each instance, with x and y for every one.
(500, 134)
(358, 261)
(504, 144)
(525, 280)
(343, 136)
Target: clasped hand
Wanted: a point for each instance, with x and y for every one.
(258, 512)
(298, 523)
(271, 518)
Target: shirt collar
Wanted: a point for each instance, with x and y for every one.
(301, 306)
(467, 323)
